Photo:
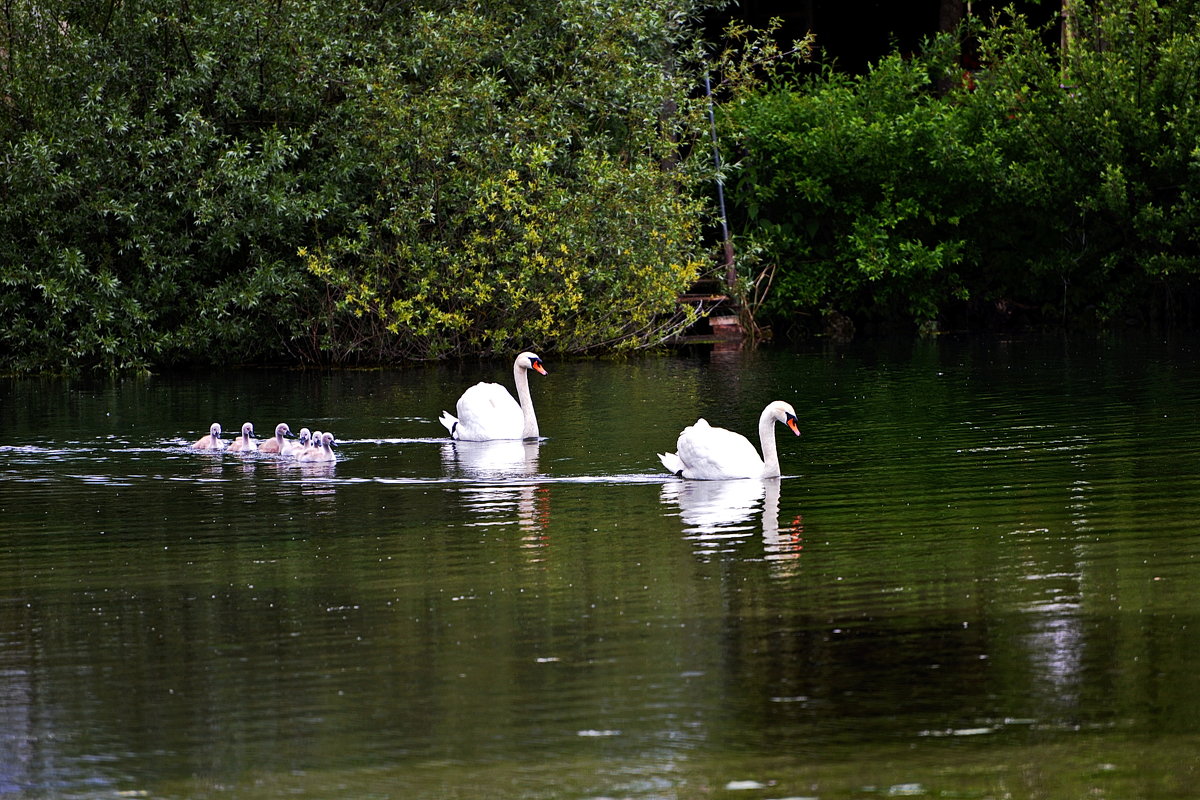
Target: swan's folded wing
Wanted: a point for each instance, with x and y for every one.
(482, 397)
(716, 453)
(488, 411)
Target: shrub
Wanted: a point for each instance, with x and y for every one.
(219, 181)
(157, 167)
(1065, 185)
(527, 184)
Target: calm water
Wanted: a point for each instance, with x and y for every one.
(979, 577)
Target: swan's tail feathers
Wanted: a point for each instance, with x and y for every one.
(672, 462)
(451, 423)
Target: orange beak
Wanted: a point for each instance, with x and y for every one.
(791, 423)
(537, 365)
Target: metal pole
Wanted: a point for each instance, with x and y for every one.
(727, 245)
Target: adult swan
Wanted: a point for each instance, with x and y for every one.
(715, 454)
(487, 411)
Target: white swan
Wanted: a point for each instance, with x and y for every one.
(278, 444)
(487, 411)
(322, 453)
(244, 443)
(708, 453)
(213, 441)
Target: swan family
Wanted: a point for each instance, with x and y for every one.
(487, 412)
(307, 446)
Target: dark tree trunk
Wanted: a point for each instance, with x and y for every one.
(950, 16)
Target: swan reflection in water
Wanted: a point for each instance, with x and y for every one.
(312, 478)
(716, 511)
(496, 460)
(492, 467)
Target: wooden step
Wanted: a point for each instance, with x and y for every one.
(697, 298)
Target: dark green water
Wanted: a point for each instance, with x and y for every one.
(979, 577)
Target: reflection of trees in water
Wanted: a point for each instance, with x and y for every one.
(18, 735)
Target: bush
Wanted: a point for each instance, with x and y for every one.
(223, 181)
(883, 197)
(527, 184)
(860, 188)
(157, 167)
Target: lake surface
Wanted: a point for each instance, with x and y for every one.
(978, 578)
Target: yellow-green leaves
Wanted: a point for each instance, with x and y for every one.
(531, 189)
(341, 181)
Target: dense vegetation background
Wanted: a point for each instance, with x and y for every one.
(222, 181)
(341, 182)
(994, 178)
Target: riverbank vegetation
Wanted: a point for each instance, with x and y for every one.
(996, 178)
(221, 182)
(337, 183)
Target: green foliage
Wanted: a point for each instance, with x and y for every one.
(1103, 148)
(527, 183)
(216, 181)
(158, 163)
(915, 192)
(861, 186)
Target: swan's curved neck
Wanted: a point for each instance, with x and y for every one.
(521, 378)
(766, 437)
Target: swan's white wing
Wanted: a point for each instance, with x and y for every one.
(710, 453)
(487, 411)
